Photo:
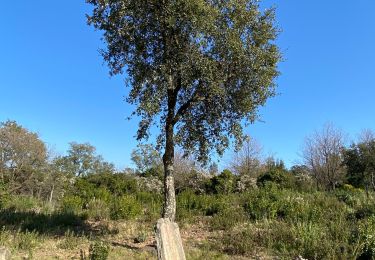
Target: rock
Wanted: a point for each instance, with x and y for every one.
(168, 240)
(4, 253)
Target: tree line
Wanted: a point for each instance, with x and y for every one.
(27, 167)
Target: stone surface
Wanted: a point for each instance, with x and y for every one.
(168, 241)
(4, 253)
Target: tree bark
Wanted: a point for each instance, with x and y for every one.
(169, 208)
(51, 193)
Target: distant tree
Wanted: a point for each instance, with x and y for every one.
(22, 156)
(247, 160)
(360, 162)
(146, 157)
(274, 171)
(82, 160)
(213, 169)
(201, 68)
(323, 154)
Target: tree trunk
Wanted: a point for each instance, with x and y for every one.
(169, 208)
(51, 193)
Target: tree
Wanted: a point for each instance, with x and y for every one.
(197, 68)
(247, 160)
(360, 162)
(22, 155)
(146, 157)
(82, 161)
(323, 155)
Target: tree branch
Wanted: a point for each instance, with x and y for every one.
(181, 111)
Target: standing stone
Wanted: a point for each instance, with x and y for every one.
(4, 253)
(168, 240)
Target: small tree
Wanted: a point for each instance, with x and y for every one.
(360, 162)
(198, 67)
(323, 155)
(82, 160)
(247, 160)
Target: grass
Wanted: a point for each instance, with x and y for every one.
(262, 223)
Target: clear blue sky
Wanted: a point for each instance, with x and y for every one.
(54, 82)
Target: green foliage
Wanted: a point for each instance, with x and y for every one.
(204, 65)
(72, 204)
(98, 210)
(277, 174)
(125, 207)
(98, 251)
(26, 240)
(360, 162)
(147, 159)
(229, 217)
(83, 161)
(102, 186)
(22, 203)
(141, 237)
(224, 183)
(23, 156)
(70, 241)
(189, 204)
(365, 239)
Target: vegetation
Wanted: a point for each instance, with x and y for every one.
(267, 212)
(197, 69)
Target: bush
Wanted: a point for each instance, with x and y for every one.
(26, 240)
(125, 207)
(223, 183)
(98, 251)
(229, 218)
(70, 241)
(281, 178)
(22, 204)
(364, 238)
(72, 204)
(190, 204)
(98, 210)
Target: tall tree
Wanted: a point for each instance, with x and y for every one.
(197, 68)
(323, 155)
(22, 156)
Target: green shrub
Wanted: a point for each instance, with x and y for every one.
(70, 241)
(151, 203)
(223, 183)
(26, 240)
(229, 218)
(364, 239)
(22, 203)
(141, 237)
(98, 210)
(98, 251)
(116, 184)
(190, 204)
(262, 204)
(125, 207)
(72, 204)
(281, 178)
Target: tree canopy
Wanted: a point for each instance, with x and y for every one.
(201, 66)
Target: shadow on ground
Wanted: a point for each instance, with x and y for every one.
(55, 224)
